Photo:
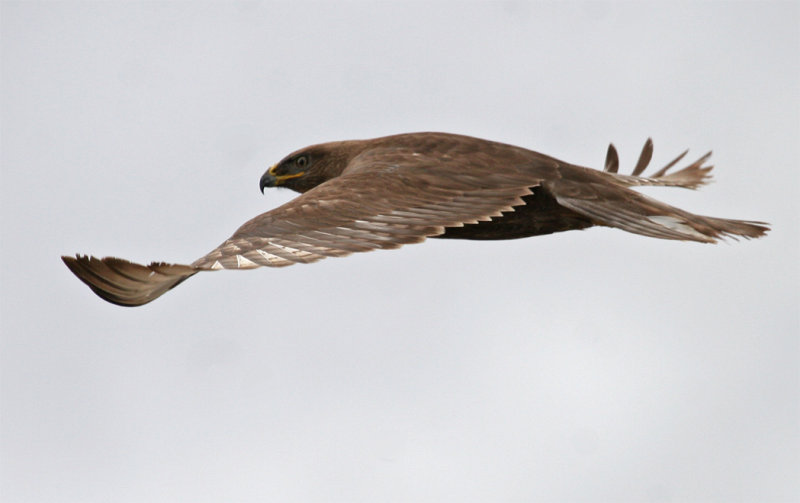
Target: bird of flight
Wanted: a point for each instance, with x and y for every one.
(382, 193)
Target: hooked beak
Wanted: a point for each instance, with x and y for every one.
(268, 179)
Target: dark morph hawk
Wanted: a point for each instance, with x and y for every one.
(363, 195)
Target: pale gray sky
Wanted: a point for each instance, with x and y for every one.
(585, 366)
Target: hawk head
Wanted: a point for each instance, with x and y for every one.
(305, 169)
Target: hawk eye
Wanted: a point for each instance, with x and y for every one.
(301, 161)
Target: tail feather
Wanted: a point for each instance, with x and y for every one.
(604, 197)
(616, 206)
(730, 228)
(126, 283)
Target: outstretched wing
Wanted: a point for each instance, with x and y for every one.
(394, 196)
(385, 200)
(396, 199)
(126, 283)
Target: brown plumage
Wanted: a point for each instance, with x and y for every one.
(363, 195)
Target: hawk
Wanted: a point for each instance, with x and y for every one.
(382, 193)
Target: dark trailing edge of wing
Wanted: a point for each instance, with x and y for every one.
(387, 192)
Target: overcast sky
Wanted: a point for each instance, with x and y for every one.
(585, 366)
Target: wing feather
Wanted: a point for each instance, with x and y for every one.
(126, 283)
(389, 197)
(617, 206)
(367, 209)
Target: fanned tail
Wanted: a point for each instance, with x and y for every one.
(618, 206)
(607, 198)
(126, 283)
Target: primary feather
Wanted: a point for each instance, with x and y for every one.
(363, 195)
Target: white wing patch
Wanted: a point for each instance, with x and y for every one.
(383, 227)
(245, 263)
(293, 251)
(270, 258)
(677, 225)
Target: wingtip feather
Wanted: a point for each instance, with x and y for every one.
(126, 283)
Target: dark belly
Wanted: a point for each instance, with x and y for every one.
(541, 214)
